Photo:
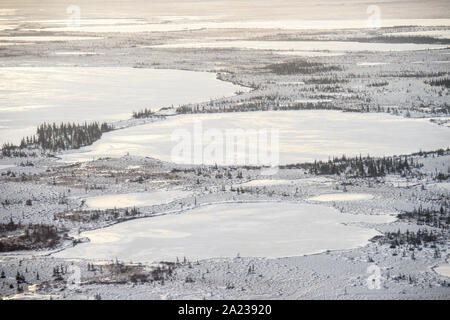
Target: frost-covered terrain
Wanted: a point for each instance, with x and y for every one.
(121, 218)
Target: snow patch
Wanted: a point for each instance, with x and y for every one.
(342, 197)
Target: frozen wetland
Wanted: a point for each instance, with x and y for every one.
(137, 199)
(267, 229)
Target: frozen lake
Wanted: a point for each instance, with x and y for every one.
(30, 96)
(224, 230)
(137, 199)
(303, 136)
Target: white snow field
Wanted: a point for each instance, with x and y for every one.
(261, 229)
(137, 199)
(31, 96)
(303, 136)
(341, 197)
(440, 187)
(440, 34)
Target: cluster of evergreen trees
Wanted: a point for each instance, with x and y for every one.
(326, 80)
(10, 226)
(395, 239)
(359, 166)
(66, 136)
(403, 39)
(378, 84)
(62, 137)
(434, 218)
(35, 236)
(95, 215)
(262, 106)
(11, 150)
(301, 67)
(444, 82)
(144, 113)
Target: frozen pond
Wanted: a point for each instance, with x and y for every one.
(31, 96)
(224, 230)
(298, 46)
(137, 199)
(303, 136)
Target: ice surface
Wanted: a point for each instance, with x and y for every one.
(303, 136)
(138, 199)
(267, 229)
(286, 24)
(31, 96)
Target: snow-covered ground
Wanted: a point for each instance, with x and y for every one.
(309, 233)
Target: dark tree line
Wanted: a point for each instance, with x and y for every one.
(96, 215)
(144, 113)
(403, 39)
(444, 82)
(301, 67)
(62, 137)
(360, 166)
(34, 236)
(66, 136)
(262, 106)
(430, 217)
(395, 239)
